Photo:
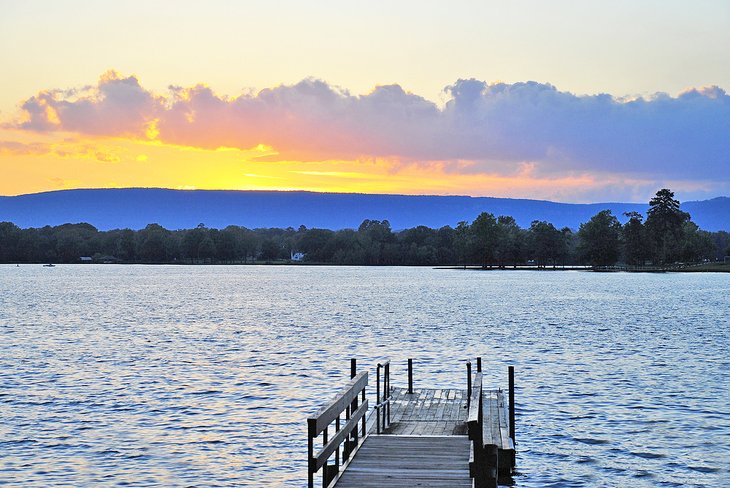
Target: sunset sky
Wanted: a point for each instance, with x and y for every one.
(573, 101)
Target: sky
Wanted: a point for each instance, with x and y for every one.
(572, 101)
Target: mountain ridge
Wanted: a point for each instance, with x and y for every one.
(175, 209)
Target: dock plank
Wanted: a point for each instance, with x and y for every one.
(408, 461)
(417, 449)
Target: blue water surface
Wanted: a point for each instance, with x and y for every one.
(204, 375)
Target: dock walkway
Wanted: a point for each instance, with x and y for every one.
(408, 461)
(426, 437)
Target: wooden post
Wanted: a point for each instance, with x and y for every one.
(377, 398)
(479, 365)
(352, 438)
(410, 375)
(311, 427)
(387, 390)
(491, 460)
(353, 405)
(511, 371)
(468, 384)
(337, 452)
(364, 418)
(325, 468)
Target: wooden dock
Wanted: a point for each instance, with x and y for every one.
(426, 437)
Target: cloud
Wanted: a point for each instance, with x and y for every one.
(484, 128)
(22, 149)
(64, 149)
(116, 106)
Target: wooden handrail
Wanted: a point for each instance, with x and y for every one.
(346, 401)
(334, 443)
(337, 405)
(475, 401)
(482, 466)
(382, 402)
(484, 462)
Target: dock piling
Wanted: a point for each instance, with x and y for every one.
(377, 399)
(354, 404)
(410, 376)
(468, 384)
(479, 365)
(511, 370)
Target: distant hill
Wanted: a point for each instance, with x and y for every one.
(134, 208)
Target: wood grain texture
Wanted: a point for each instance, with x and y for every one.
(426, 443)
(409, 461)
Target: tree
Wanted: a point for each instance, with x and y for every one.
(664, 225)
(599, 239)
(314, 244)
(485, 232)
(206, 249)
(226, 245)
(9, 237)
(375, 237)
(462, 242)
(697, 244)
(154, 244)
(269, 250)
(633, 236)
(545, 242)
(566, 246)
(192, 240)
(74, 241)
(509, 241)
(124, 247)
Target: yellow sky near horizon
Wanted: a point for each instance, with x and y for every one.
(48, 162)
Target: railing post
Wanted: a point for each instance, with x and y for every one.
(364, 418)
(311, 428)
(479, 365)
(468, 384)
(325, 468)
(410, 376)
(511, 371)
(387, 389)
(337, 451)
(346, 445)
(353, 406)
(377, 398)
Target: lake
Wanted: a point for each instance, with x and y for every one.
(204, 375)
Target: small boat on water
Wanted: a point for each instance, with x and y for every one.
(49, 265)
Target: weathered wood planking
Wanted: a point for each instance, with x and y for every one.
(409, 461)
(427, 412)
(425, 443)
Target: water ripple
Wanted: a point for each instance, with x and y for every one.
(199, 376)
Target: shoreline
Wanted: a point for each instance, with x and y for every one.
(697, 268)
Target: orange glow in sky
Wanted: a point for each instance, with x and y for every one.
(63, 161)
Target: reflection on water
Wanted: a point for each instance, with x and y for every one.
(178, 376)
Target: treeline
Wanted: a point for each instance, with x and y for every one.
(668, 235)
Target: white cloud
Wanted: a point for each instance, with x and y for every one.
(499, 128)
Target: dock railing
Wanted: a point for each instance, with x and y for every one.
(346, 401)
(382, 401)
(484, 458)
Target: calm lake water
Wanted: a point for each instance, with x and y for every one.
(181, 376)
